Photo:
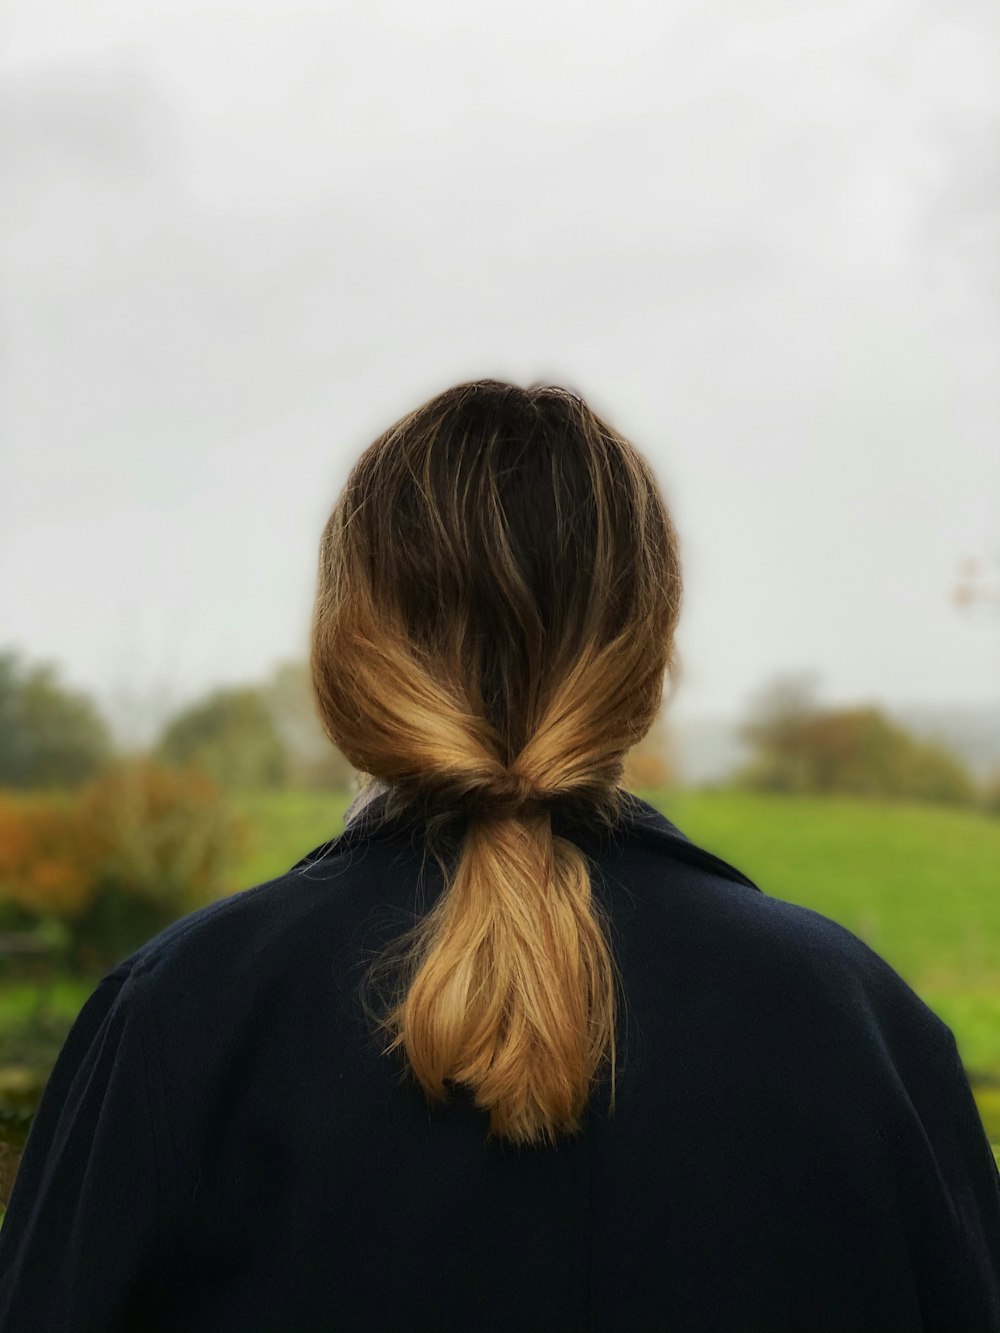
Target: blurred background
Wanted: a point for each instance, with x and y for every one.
(237, 242)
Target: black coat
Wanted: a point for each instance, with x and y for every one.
(221, 1146)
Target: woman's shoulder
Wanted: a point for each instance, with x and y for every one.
(688, 909)
(678, 912)
(268, 923)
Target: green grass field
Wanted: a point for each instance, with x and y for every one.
(920, 884)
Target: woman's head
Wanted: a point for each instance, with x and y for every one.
(498, 593)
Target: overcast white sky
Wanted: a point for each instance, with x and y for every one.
(763, 239)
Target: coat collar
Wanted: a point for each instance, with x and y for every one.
(364, 811)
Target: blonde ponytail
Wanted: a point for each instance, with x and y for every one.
(493, 664)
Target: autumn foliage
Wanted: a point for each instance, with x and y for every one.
(139, 846)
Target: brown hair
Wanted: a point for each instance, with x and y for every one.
(498, 591)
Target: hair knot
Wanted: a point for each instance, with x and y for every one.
(509, 793)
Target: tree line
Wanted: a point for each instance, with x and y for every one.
(244, 737)
(268, 736)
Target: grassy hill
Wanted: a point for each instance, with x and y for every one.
(920, 884)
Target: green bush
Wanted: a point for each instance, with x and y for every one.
(140, 846)
(232, 736)
(855, 751)
(164, 841)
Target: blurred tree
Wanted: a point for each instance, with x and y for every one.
(44, 858)
(977, 583)
(314, 761)
(776, 731)
(860, 750)
(803, 747)
(140, 846)
(162, 843)
(232, 736)
(49, 736)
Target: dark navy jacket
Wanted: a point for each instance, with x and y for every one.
(222, 1147)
